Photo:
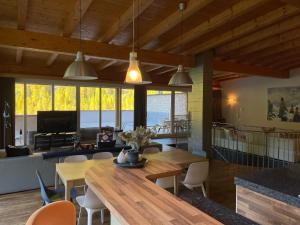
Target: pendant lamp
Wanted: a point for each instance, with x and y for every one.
(135, 75)
(80, 69)
(181, 77)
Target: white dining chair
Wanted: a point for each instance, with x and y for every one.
(151, 150)
(196, 176)
(166, 182)
(103, 155)
(92, 204)
(75, 158)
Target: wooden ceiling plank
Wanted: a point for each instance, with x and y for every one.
(124, 20)
(251, 26)
(295, 3)
(227, 16)
(19, 56)
(62, 45)
(172, 20)
(266, 43)
(286, 25)
(247, 69)
(22, 13)
(269, 61)
(73, 18)
(52, 59)
(274, 50)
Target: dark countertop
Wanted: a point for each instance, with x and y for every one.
(282, 184)
(215, 210)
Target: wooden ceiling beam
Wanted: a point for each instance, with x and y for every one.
(22, 13)
(124, 20)
(19, 56)
(246, 28)
(106, 65)
(266, 43)
(73, 17)
(295, 3)
(172, 20)
(56, 73)
(52, 59)
(286, 25)
(62, 45)
(236, 11)
(154, 68)
(248, 69)
(167, 71)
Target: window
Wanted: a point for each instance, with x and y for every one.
(159, 110)
(38, 98)
(89, 107)
(65, 98)
(108, 107)
(181, 106)
(127, 109)
(19, 114)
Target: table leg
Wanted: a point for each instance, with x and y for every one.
(68, 187)
(176, 185)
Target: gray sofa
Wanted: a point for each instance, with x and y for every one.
(18, 173)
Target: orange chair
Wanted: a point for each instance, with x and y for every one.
(56, 213)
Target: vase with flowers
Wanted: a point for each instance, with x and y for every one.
(137, 138)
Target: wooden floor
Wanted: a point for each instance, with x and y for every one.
(16, 208)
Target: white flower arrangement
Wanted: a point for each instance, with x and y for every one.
(139, 137)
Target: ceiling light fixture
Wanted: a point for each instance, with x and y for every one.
(181, 77)
(135, 74)
(80, 69)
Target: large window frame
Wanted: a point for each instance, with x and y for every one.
(173, 90)
(78, 84)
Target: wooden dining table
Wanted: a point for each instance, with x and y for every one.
(73, 174)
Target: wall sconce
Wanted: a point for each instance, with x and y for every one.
(231, 100)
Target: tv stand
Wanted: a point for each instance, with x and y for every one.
(44, 141)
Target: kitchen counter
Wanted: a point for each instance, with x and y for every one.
(270, 195)
(282, 184)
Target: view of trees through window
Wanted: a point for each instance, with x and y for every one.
(127, 109)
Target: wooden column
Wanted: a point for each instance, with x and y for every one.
(207, 101)
(140, 106)
(200, 105)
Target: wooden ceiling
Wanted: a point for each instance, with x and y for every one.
(40, 37)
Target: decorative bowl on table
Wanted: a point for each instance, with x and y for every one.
(130, 159)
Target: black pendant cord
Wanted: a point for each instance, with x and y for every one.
(181, 32)
(133, 25)
(80, 44)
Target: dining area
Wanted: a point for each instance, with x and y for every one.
(131, 195)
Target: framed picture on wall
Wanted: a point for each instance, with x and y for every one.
(284, 104)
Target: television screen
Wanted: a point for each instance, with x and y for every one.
(56, 121)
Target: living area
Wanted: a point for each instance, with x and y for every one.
(149, 112)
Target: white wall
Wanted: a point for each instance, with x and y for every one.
(251, 93)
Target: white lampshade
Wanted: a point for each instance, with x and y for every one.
(80, 69)
(134, 74)
(181, 78)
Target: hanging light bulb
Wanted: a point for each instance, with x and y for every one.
(80, 69)
(134, 74)
(181, 77)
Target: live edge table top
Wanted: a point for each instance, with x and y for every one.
(133, 198)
